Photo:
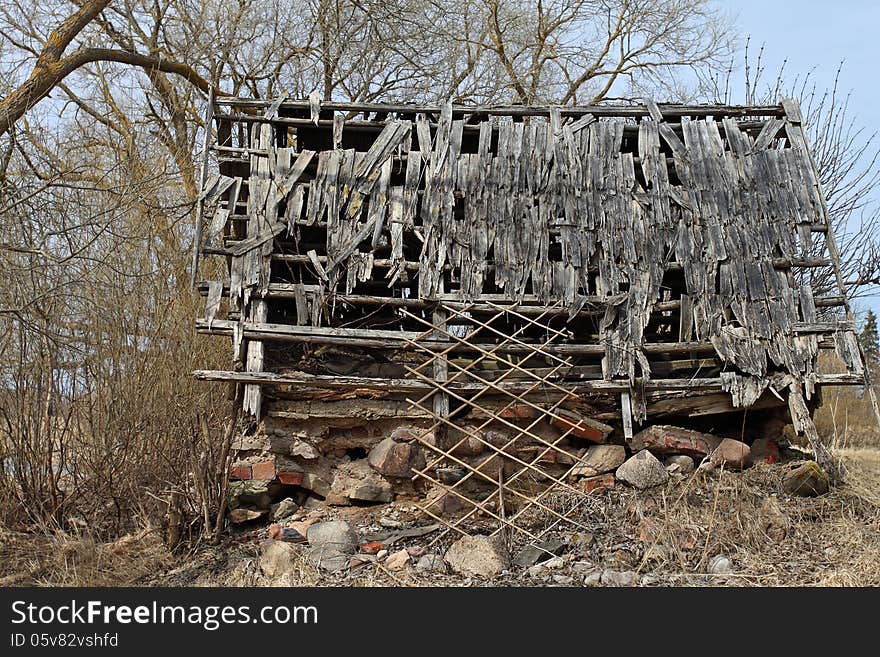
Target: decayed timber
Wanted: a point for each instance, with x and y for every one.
(660, 251)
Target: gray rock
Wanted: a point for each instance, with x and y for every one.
(563, 580)
(304, 450)
(642, 471)
(394, 459)
(277, 558)
(372, 492)
(284, 508)
(619, 578)
(357, 482)
(450, 475)
(334, 534)
(330, 559)
(555, 563)
(593, 578)
(534, 552)
(431, 563)
(479, 556)
(600, 459)
(720, 565)
(679, 464)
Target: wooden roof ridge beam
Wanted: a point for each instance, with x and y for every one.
(634, 110)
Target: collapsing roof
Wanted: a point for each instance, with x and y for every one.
(653, 235)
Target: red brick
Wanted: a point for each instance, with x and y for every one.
(240, 472)
(372, 547)
(518, 411)
(597, 483)
(264, 470)
(290, 478)
(581, 427)
(547, 455)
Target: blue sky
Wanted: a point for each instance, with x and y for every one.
(816, 36)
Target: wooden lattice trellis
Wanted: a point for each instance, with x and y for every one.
(518, 486)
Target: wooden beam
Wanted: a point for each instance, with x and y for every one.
(636, 110)
(405, 385)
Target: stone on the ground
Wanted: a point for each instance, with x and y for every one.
(665, 439)
(563, 580)
(394, 459)
(431, 563)
(450, 476)
(720, 565)
(397, 560)
(477, 555)
(334, 534)
(277, 558)
(330, 559)
(553, 563)
(535, 552)
(732, 454)
(642, 471)
(600, 459)
(283, 509)
(679, 464)
(593, 577)
(619, 578)
(241, 515)
(806, 479)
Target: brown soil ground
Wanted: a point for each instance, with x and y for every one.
(668, 535)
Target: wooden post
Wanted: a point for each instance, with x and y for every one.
(441, 374)
(200, 208)
(626, 416)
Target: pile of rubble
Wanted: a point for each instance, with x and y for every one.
(305, 528)
(360, 467)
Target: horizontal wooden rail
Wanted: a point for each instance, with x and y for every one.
(406, 385)
(372, 338)
(636, 110)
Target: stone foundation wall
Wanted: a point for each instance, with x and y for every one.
(351, 453)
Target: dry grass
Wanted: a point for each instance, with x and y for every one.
(773, 539)
(61, 559)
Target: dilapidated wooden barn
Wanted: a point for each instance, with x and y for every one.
(504, 281)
